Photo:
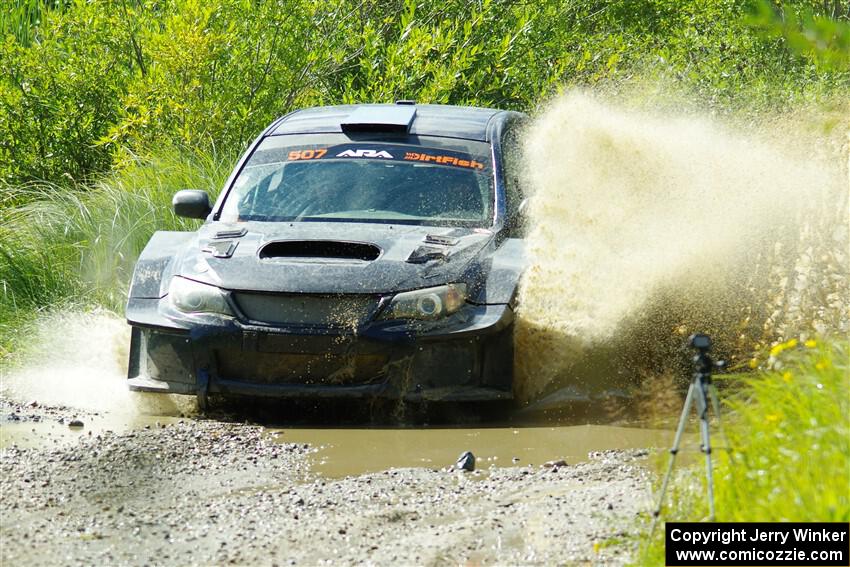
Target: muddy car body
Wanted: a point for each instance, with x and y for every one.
(355, 251)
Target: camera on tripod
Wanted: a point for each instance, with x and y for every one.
(702, 395)
(703, 363)
(700, 342)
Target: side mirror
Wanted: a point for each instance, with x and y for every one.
(191, 203)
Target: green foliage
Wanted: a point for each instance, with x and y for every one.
(790, 434)
(22, 18)
(453, 52)
(82, 85)
(59, 96)
(823, 38)
(79, 245)
(216, 73)
(792, 440)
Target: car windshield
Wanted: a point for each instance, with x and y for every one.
(331, 178)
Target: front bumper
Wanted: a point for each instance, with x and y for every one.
(465, 357)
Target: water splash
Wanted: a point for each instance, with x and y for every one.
(79, 360)
(647, 227)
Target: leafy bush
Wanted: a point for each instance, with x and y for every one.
(59, 95)
(819, 31)
(214, 74)
(88, 81)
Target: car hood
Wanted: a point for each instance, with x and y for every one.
(330, 257)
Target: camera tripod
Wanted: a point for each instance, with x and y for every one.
(701, 392)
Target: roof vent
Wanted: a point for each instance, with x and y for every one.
(383, 118)
(406, 102)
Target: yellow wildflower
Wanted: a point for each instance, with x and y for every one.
(786, 376)
(811, 343)
(754, 363)
(777, 349)
(772, 417)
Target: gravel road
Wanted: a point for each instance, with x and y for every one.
(203, 492)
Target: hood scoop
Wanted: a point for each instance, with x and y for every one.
(320, 249)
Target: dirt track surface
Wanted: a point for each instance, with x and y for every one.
(204, 492)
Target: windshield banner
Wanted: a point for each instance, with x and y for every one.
(395, 152)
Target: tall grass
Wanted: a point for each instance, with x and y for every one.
(78, 245)
(20, 18)
(789, 431)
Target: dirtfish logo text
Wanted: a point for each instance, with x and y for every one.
(365, 154)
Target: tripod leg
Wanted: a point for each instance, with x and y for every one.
(702, 406)
(715, 407)
(675, 449)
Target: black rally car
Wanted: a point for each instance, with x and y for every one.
(355, 251)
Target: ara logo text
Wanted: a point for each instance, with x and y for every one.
(365, 154)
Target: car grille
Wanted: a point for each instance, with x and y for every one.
(304, 369)
(340, 311)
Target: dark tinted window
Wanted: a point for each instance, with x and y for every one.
(287, 179)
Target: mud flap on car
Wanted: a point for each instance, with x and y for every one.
(136, 381)
(144, 384)
(155, 355)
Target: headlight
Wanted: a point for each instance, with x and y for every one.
(194, 297)
(430, 303)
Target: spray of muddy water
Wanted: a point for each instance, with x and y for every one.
(79, 360)
(647, 227)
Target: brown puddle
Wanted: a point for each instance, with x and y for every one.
(344, 452)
